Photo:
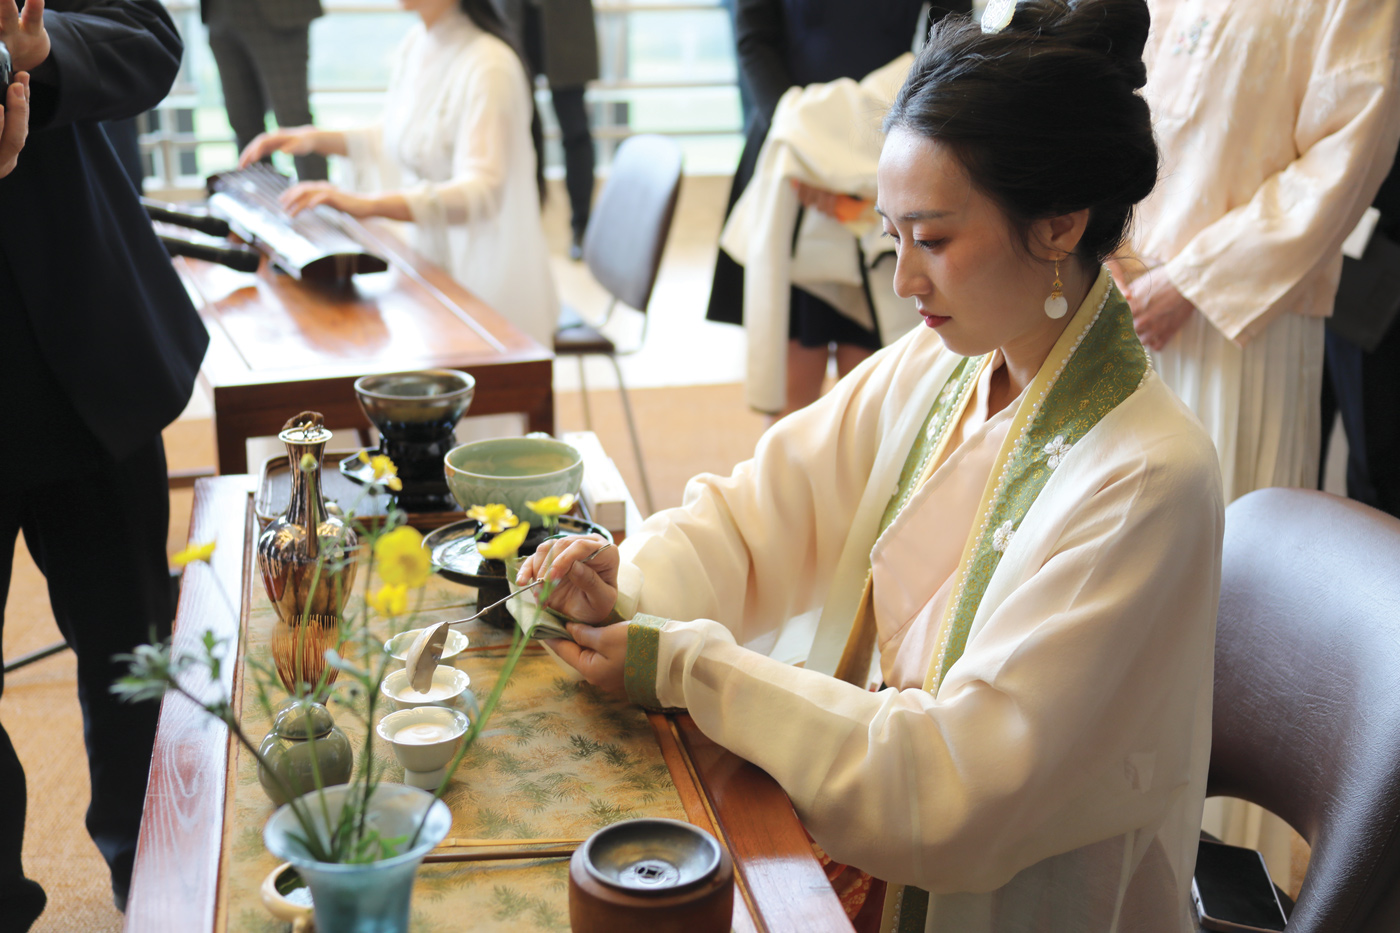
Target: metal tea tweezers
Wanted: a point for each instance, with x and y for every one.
(529, 586)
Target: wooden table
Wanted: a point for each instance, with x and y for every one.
(175, 885)
(278, 346)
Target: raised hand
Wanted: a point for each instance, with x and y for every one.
(24, 34)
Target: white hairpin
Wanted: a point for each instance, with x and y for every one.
(997, 15)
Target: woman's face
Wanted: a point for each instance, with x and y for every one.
(959, 258)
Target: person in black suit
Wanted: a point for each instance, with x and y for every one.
(1361, 380)
(102, 345)
(793, 43)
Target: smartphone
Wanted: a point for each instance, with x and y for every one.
(1233, 891)
(7, 73)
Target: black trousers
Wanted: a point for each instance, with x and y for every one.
(578, 153)
(99, 536)
(1364, 388)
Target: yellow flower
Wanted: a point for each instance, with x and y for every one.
(192, 553)
(390, 600)
(552, 506)
(493, 517)
(402, 560)
(504, 544)
(364, 456)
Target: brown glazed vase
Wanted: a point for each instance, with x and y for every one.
(305, 556)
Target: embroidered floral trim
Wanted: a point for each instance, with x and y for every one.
(1055, 451)
(1001, 538)
(1105, 365)
(643, 655)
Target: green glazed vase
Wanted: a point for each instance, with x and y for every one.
(303, 731)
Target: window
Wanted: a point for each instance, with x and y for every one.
(667, 67)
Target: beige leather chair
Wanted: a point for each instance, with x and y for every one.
(1307, 694)
(622, 247)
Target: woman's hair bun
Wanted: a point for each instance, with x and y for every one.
(1044, 114)
(1115, 29)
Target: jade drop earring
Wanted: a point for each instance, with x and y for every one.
(1056, 305)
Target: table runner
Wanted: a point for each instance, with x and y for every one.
(558, 759)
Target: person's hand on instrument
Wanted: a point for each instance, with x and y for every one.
(598, 653)
(584, 591)
(24, 34)
(311, 194)
(293, 140)
(1159, 310)
(14, 123)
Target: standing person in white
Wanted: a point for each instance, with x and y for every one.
(1276, 122)
(453, 155)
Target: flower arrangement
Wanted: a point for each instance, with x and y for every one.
(395, 550)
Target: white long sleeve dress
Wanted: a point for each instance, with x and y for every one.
(1043, 602)
(455, 139)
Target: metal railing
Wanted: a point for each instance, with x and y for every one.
(172, 137)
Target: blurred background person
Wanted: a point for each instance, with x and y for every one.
(99, 334)
(262, 48)
(1276, 125)
(1362, 382)
(454, 155)
(560, 41)
(795, 43)
(1234, 260)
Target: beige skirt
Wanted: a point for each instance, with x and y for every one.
(1260, 403)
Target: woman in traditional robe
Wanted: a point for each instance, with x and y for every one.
(1005, 518)
(454, 156)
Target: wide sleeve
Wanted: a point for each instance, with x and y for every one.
(1068, 720)
(480, 149)
(758, 547)
(108, 60)
(1238, 269)
(760, 34)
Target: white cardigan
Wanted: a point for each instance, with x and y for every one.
(455, 139)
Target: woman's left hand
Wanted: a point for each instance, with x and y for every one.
(311, 194)
(597, 652)
(1159, 310)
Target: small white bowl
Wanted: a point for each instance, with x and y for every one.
(278, 904)
(448, 686)
(424, 761)
(398, 645)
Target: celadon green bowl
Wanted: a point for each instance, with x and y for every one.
(512, 471)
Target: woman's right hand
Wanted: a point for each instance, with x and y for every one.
(295, 140)
(585, 592)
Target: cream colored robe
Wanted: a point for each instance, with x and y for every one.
(1054, 780)
(455, 139)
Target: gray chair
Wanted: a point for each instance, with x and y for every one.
(622, 247)
(1307, 694)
